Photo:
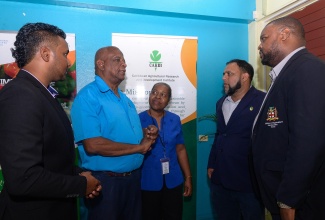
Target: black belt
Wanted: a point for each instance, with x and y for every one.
(110, 173)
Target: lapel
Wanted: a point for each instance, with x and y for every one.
(219, 111)
(245, 101)
(286, 69)
(52, 101)
(279, 78)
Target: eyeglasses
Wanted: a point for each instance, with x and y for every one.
(162, 94)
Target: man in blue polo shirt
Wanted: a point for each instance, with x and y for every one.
(110, 139)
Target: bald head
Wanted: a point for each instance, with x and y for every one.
(110, 65)
(102, 53)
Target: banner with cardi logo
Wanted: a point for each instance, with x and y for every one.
(154, 58)
(9, 69)
(170, 59)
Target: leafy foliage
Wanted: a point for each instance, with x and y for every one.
(212, 117)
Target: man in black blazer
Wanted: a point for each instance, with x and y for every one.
(37, 145)
(288, 142)
(232, 193)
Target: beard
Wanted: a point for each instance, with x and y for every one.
(270, 58)
(233, 89)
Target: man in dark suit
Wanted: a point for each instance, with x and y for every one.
(288, 141)
(37, 145)
(231, 188)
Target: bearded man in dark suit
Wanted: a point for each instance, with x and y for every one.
(231, 190)
(288, 142)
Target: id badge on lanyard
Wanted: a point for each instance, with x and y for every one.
(165, 165)
(165, 160)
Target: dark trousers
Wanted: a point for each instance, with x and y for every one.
(233, 205)
(165, 204)
(276, 217)
(120, 198)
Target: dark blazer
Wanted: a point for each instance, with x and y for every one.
(36, 154)
(229, 152)
(289, 139)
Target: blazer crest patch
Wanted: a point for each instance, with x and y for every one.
(272, 114)
(272, 119)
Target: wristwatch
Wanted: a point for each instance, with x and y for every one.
(283, 206)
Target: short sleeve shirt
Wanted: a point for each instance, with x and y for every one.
(98, 112)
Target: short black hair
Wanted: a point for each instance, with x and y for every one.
(291, 23)
(244, 67)
(30, 37)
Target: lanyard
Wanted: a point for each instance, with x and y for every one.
(162, 131)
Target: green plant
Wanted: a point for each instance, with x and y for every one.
(211, 117)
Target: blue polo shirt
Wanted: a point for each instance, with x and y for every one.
(98, 112)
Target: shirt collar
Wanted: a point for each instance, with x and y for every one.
(51, 90)
(102, 85)
(229, 99)
(277, 69)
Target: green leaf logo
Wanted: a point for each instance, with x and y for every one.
(155, 55)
